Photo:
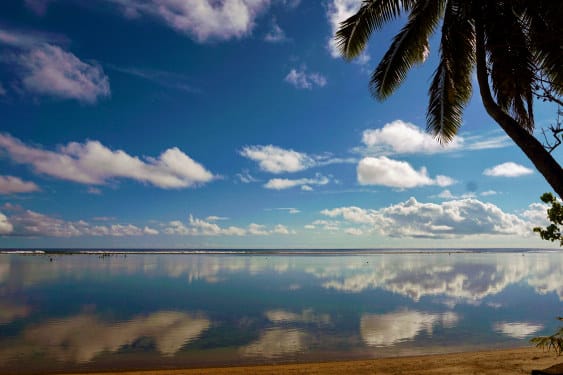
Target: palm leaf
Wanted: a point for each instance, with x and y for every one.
(451, 86)
(544, 22)
(353, 34)
(409, 47)
(511, 62)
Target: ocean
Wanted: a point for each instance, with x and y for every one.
(99, 309)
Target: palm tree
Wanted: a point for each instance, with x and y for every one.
(515, 46)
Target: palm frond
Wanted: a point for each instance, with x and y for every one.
(409, 47)
(511, 62)
(543, 19)
(354, 32)
(451, 86)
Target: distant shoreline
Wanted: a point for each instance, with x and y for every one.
(275, 251)
(506, 361)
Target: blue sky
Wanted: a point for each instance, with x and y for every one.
(144, 123)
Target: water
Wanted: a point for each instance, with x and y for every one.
(136, 310)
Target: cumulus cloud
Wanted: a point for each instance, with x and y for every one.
(94, 164)
(11, 185)
(301, 79)
(400, 137)
(44, 68)
(405, 138)
(455, 218)
(200, 227)
(5, 226)
(285, 183)
(517, 330)
(33, 224)
(508, 169)
(201, 20)
(397, 174)
(274, 159)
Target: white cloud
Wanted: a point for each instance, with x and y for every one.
(2, 90)
(202, 20)
(478, 143)
(274, 159)
(397, 174)
(301, 79)
(401, 137)
(150, 231)
(329, 225)
(94, 164)
(508, 169)
(489, 193)
(518, 330)
(451, 219)
(338, 11)
(216, 218)
(47, 69)
(5, 226)
(199, 227)
(290, 210)
(276, 34)
(29, 223)
(536, 214)
(11, 185)
(282, 229)
(353, 231)
(285, 183)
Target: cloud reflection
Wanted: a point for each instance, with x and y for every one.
(276, 342)
(10, 311)
(82, 337)
(469, 280)
(306, 316)
(392, 328)
(517, 330)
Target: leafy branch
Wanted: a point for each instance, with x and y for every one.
(553, 342)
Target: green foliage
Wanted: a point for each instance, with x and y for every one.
(555, 215)
(553, 342)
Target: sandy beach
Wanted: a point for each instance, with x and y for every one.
(511, 361)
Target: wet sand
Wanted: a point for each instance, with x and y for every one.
(511, 361)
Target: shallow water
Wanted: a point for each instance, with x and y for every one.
(87, 311)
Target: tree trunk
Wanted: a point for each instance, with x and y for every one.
(534, 150)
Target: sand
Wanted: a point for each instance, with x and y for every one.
(512, 361)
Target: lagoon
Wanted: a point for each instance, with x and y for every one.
(77, 311)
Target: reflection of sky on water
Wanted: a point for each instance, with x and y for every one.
(84, 310)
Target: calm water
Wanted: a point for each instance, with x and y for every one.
(80, 312)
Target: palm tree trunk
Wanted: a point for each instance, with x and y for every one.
(534, 150)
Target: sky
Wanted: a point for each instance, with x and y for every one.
(235, 124)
